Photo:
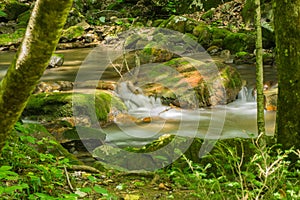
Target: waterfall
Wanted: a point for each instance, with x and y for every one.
(134, 99)
(247, 94)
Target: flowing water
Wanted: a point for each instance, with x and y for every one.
(237, 119)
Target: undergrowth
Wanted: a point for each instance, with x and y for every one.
(26, 173)
(244, 171)
(232, 174)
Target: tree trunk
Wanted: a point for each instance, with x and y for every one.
(43, 31)
(287, 32)
(259, 72)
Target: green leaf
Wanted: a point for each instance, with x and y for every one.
(92, 178)
(86, 189)
(2, 14)
(5, 168)
(1, 190)
(13, 188)
(100, 190)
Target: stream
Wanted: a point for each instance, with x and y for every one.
(237, 119)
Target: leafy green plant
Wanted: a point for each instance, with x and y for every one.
(230, 172)
(26, 173)
(2, 13)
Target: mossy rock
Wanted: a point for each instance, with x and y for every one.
(157, 22)
(74, 17)
(72, 33)
(204, 35)
(14, 9)
(180, 83)
(219, 33)
(231, 80)
(208, 15)
(50, 106)
(177, 23)
(14, 38)
(268, 35)
(237, 42)
(244, 58)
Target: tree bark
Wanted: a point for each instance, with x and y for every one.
(259, 72)
(42, 35)
(287, 32)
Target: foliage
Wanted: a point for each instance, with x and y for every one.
(231, 174)
(26, 173)
(15, 37)
(2, 13)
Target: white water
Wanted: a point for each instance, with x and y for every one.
(237, 119)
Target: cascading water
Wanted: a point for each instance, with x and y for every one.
(240, 120)
(136, 102)
(247, 94)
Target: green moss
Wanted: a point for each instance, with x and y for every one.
(241, 54)
(54, 105)
(16, 37)
(237, 42)
(165, 22)
(73, 32)
(232, 79)
(157, 22)
(219, 33)
(208, 15)
(199, 30)
(203, 33)
(248, 11)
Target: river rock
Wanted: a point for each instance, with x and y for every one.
(53, 86)
(86, 109)
(186, 87)
(56, 60)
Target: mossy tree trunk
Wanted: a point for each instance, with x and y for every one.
(259, 71)
(42, 34)
(287, 32)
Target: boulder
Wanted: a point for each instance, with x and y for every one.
(184, 86)
(72, 33)
(49, 107)
(237, 42)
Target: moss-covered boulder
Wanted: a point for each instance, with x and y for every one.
(72, 33)
(244, 58)
(179, 23)
(236, 42)
(186, 83)
(13, 9)
(203, 33)
(51, 106)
